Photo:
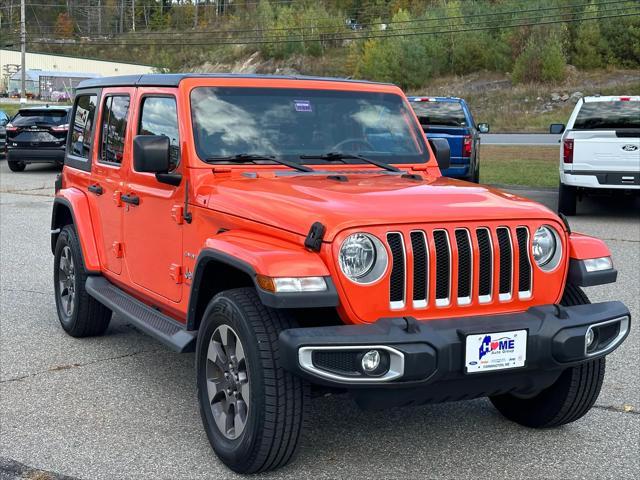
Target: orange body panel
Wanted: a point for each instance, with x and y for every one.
(77, 202)
(582, 247)
(263, 219)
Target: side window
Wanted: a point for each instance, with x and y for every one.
(114, 128)
(82, 126)
(160, 117)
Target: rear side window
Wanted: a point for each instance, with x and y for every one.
(608, 115)
(160, 117)
(35, 117)
(82, 125)
(114, 128)
(448, 114)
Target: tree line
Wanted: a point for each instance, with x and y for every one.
(401, 41)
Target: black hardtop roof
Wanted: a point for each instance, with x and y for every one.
(173, 79)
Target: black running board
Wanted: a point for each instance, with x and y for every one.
(143, 317)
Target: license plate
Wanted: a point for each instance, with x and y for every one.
(487, 352)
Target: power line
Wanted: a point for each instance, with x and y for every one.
(343, 37)
(338, 33)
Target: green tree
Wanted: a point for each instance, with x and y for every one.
(542, 59)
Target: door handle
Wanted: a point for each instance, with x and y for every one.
(131, 199)
(95, 188)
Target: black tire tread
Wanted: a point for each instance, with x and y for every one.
(569, 398)
(286, 395)
(92, 317)
(16, 166)
(567, 200)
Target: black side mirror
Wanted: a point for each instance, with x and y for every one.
(442, 151)
(483, 127)
(556, 128)
(151, 153)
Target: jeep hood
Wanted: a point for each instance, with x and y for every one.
(295, 202)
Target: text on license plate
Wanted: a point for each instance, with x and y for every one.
(495, 351)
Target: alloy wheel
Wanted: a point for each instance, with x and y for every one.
(67, 281)
(227, 378)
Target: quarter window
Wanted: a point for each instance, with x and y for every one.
(82, 125)
(114, 128)
(160, 117)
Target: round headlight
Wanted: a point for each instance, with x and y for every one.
(545, 247)
(362, 258)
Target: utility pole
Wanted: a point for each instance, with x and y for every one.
(23, 53)
(133, 15)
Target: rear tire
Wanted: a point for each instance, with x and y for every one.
(568, 399)
(80, 314)
(16, 166)
(259, 406)
(567, 198)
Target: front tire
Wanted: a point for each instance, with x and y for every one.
(80, 314)
(252, 409)
(16, 166)
(568, 399)
(567, 198)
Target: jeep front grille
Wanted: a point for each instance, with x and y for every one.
(440, 254)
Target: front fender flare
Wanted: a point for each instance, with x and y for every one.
(256, 254)
(76, 203)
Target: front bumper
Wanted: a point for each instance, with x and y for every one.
(36, 155)
(433, 351)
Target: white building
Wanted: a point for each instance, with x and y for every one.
(10, 63)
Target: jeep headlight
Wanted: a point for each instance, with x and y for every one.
(546, 248)
(362, 258)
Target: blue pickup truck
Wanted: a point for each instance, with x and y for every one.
(450, 118)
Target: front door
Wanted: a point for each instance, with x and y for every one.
(153, 227)
(108, 174)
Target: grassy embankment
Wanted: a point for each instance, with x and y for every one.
(520, 165)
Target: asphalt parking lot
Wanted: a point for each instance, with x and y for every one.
(123, 406)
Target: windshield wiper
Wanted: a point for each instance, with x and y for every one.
(250, 157)
(339, 156)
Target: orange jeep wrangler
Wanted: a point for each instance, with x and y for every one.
(296, 233)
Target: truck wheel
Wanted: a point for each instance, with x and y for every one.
(252, 409)
(475, 178)
(80, 314)
(16, 166)
(567, 200)
(568, 399)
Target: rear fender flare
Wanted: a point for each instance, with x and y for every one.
(70, 204)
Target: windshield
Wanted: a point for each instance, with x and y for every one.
(288, 123)
(608, 115)
(449, 114)
(28, 118)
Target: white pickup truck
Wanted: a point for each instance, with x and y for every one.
(600, 148)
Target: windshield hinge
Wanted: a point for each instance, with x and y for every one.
(313, 241)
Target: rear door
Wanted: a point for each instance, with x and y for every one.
(38, 127)
(109, 173)
(606, 136)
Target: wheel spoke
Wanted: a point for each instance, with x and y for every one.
(216, 354)
(227, 380)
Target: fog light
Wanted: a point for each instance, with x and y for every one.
(371, 361)
(589, 338)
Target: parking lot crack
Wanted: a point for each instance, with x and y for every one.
(68, 366)
(625, 408)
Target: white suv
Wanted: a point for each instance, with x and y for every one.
(600, 148)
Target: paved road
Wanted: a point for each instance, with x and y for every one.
(519, 139)
(122, 406)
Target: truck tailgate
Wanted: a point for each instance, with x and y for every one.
(605, 150)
